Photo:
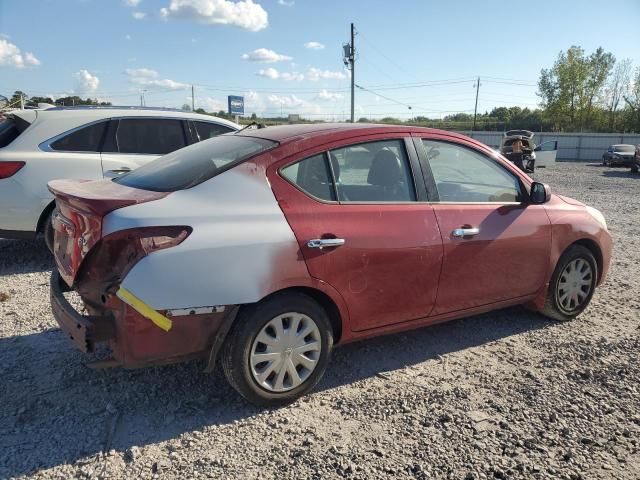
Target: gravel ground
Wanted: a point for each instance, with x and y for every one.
(502, 395)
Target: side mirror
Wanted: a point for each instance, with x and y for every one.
(540, 193)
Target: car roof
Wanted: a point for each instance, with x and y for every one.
(288, 133)
(90, 113)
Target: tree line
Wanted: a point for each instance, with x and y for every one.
(580, 92)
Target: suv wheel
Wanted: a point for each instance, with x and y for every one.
(572, 284)
(278, 349)
(47, 230)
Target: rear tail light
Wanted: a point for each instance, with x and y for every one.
(169, 237)
(116, 254)
(9, 169)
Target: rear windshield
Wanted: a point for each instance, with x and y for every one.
(10, 129)
(624, 148)
(195, 164)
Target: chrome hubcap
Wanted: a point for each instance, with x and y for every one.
(575, 284)
(285, 352)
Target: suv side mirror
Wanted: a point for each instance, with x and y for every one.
(540, 193)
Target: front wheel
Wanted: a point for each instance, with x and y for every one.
(278, 349)
(572, 284)
(604, 162)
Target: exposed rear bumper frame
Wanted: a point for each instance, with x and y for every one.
(83, 330)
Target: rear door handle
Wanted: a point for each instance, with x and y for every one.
(465, 232)
(325, 243)
(116, 172)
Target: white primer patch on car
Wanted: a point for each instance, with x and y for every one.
(240, 240)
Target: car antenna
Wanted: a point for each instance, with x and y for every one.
(252, 124)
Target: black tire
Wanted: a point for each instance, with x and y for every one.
(553, 307)
(634, 169)
(47, 230)
(236, 351)
(604, 162)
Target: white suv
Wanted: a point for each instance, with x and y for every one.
(37, 146)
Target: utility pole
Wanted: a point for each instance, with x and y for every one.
(349, 59)
(475, 111)
(193, 100)
(21, 101)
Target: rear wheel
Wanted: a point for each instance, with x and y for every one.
(572, 284)
(277, 349)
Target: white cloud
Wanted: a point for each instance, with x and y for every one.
(138, 15)
(209, 104)
(11, 56)
(265, 55)
(315, 74)
(145, 77)
(286, 3)
(132, 3)
(127, 37)
(86, 82)
(243, 13)
(329, 96)
(285, 101)
(274, 74)
(314, 45)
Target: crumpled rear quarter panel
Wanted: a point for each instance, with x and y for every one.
(241, 248)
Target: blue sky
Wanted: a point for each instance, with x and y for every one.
(116, 49)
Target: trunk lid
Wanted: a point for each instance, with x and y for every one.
(81, 206)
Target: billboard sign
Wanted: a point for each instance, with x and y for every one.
(236, 105)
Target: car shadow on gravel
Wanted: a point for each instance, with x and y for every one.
(620, 174)
(24, 256)
(57, 411)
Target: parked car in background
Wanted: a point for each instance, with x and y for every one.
(268, 246)
(39, 145)
(621, 155)
(533, 155)
(636, 160)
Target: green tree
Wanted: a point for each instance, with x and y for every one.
(570, 88)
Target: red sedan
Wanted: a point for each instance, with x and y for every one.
(266, 247)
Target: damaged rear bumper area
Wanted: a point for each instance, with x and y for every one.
(136, 335)
(84, 330)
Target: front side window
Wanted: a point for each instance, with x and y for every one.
(467, 176)
(195, 164)
(86, 139)
(373, 172)
(154, 136)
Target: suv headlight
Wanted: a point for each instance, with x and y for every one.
(598, 216)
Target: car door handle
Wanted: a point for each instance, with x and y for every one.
(325, 243)
(465, 232)
(116, 172)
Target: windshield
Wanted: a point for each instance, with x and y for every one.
(624, 148)
(193, 165)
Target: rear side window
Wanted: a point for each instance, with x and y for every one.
(149, 136)
(195, 164)
(208, 130)
(373, 172)
(86, 139)
(8, 131)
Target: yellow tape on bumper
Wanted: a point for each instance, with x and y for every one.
(143, 309)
